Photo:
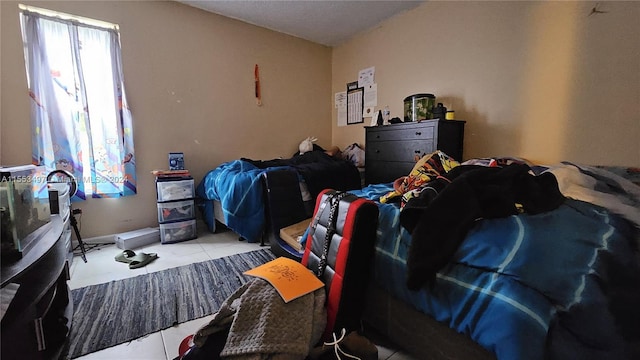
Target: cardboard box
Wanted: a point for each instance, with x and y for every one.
(292, 233)
(137, 238)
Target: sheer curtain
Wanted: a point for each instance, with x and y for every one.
(79, 115)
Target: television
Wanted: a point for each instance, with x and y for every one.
(24, 209)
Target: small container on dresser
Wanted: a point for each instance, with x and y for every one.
(176, 208)
(391, 150)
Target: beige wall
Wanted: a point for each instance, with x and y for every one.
(540, 80)
(189, 81)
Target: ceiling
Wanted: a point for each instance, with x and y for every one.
(329, 23)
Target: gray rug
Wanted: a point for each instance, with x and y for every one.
(120, 311)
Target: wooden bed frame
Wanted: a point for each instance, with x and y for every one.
(415, 332)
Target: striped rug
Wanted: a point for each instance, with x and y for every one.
(120, 311)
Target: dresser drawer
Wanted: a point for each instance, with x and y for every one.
(169, 190)
(423, 132)
(391, 150)
(398, 150)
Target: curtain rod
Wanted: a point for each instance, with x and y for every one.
(60, 16)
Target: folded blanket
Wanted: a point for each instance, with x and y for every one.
(600, 187)
(264, 326)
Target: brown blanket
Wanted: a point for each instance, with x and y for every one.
(264, 326)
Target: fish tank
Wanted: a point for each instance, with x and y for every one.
(24, 209)
(419, 107)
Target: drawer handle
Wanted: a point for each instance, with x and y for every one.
(417, 151)
(377, 136)
(418, 133)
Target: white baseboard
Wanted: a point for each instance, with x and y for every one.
(105, 239)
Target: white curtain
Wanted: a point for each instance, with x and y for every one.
(80, 119)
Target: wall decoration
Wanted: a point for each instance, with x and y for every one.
(355, 103)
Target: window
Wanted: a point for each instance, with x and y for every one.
(79, 115)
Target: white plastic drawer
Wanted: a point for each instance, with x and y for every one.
(175, 190)
(176, 211)
(178, 231)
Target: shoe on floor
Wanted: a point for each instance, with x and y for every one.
(125, 256)
(142, 260)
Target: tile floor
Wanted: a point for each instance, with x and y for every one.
(101, 267)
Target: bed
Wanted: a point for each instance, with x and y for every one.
(233, 193)
(561, 282)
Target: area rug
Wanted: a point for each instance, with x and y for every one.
(113, 313)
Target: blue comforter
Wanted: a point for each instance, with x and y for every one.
(238, 187)
(561, 284)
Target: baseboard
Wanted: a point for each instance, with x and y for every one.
(105, 239)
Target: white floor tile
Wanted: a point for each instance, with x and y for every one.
(225, 243)
(100, 267)
(173, 336)
(222, 237)
(168, 261)
(188, 247)
(150, 347)
(77, 281)
(215, 253)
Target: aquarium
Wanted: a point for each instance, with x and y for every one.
(419, 107)
(24, 208)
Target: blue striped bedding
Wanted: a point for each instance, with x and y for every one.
(557, 285)
(238, 187)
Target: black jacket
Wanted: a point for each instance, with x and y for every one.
(438, 224)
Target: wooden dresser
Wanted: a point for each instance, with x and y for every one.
(390, 150)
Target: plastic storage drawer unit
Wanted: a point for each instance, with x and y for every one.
(175, 190)
(178, 231)
(176, 211)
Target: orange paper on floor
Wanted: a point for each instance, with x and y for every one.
(290, 278)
